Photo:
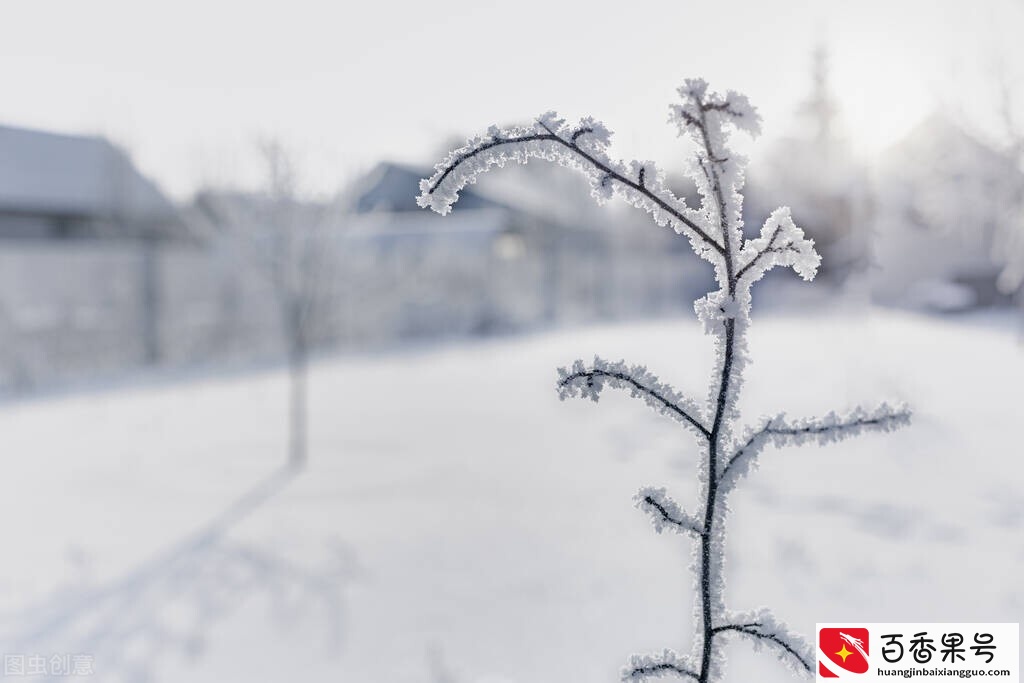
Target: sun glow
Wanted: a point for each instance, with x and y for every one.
(880, 97)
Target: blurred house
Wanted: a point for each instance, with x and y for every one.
(489, 266)
(81, 235)
(942, 194)
(531, 252)
(99, 273)
(55, 186)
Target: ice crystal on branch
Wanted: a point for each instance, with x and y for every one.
(781, 244)
(588, 382)
(666, 664)
(823, 430)
(715, 231)
(665, 513)
(766, 631)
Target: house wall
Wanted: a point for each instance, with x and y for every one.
(25, 226)
(80, 309)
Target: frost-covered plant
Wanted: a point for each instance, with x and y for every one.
(714, 230)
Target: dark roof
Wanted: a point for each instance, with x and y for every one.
(392, 187)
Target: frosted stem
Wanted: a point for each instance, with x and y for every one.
(707, 581)
(707, 539)
(753, 631)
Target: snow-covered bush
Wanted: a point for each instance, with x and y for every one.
(714, 230)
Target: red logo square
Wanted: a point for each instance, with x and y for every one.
(845, 649)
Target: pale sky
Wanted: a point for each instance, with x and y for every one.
(189, 86)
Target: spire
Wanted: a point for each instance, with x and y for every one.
(820, 108)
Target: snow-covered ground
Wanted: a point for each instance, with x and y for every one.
(457, 523)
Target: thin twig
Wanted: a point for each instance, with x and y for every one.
(812, 429)
(685, 526)
(590, 374)
(750, 630)
(661, 668)
(768, 247)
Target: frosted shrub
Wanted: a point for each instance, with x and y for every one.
(714, 230)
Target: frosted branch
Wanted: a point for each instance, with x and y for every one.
(704, 113)
(665, 513)
(668, 663)
(754, 630)
(583, 148)
(715, 231)
(764, 628)
(824, 430)
(587, 382)
(781, 243)
(708, 118)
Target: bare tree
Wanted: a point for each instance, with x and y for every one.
(295, 245)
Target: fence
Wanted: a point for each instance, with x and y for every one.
(72, 310)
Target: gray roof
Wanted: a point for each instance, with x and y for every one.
(67, 175)
(392, 187)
